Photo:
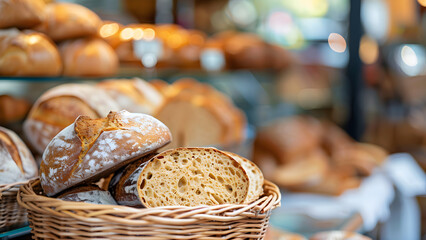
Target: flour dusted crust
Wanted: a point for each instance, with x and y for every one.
(88, 57)
(88, 194)
(134, 95)
(255, 177)
(28, 53)
(16, 162)
(68, 20)
(58, 108)
(90, 149)
(21, 13)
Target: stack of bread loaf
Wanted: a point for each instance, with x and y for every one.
(197, 114)
(182, 48)
(32, 50)
(305, 154)
(125, 144)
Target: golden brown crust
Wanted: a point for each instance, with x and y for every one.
(68, 20)
(13, 109)
(28, 54)
(68, 161)
(88, 57)
(21, 13)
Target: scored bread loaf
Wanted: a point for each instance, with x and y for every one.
(28, 53)
(88, 194)
(21, 13)
(88, 57)
(16, 161)
(68, 20)
(90, 149)
(185, 177)
(134, 95)
(255, 177)
(60, 106)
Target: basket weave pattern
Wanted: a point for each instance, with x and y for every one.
(11, 214)
(52, 218)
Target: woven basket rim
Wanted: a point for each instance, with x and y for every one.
(14, 187)
(174, 215)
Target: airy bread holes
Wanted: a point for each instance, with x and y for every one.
(212, 176)
(149, 176)
(229, 188)
(143, 184)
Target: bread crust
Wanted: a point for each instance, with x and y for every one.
(28, 53)
(88, 57)
(16, 161)
(90, 149)
(21, 13)
(68, 20)
(39, 128)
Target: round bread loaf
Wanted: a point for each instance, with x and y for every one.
(134, 95)
(21, 13)
(90, 149)
(16, 162)
(28, 54)
(183, 177)
(88, 57)
(60, 106)
(68, 20)
(88, 194)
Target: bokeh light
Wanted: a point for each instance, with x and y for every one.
(148, 34)
(126, 34)
(336, 42)
(107, 30)
(138, 34)
(368, 50)
(242, 12)
(408, 56)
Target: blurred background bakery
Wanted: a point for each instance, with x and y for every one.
(324, 95)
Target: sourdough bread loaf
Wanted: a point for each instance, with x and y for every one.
(68, 20)
(88, 57)
(134, 95)
(28, 53)
(90, 148)
(21, 13)
(185, 177)
(60, 106)
(16, 162)
(88, 194)
(255, 177)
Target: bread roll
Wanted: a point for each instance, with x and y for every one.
(21, 13)
(160, 85)
(255, 177)
(68, 20)
(338, 235)
(28, 54)
(16, 162)
(88, 194)
(187, 177)
(110, 32)
(246, 51)
(134, 95)
(90, 148)
(290, 138)
(60, 106)
(306, 170)
(88, 57)
(12, 109)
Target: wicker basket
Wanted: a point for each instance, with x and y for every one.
(52, 218)
(11, 214)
